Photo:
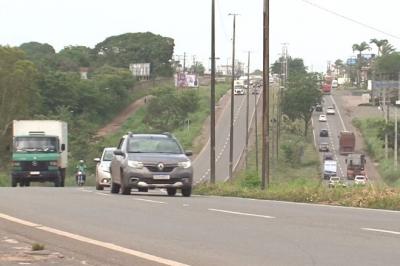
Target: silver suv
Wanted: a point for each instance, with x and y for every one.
(149, 161)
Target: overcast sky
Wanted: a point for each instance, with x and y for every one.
(312, 34)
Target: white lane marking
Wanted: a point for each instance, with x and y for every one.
(381, 231)
(103, 194)
(91, 241)
(151, 201)
(338, 111)
(85, 190)
(242, 213)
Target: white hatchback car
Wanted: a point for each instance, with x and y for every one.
(103, 177)
(322, 118)
(330, 111)
(360, 180)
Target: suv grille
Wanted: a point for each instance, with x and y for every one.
(34, 166)
(153, 168)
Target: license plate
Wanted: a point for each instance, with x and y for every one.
(34, 173)
(161, 177)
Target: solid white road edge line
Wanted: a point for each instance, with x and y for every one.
(87, 240)
(338, 111)
(381, 231)
(242, 213)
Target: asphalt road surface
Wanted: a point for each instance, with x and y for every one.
(202, 163)
(154, 229)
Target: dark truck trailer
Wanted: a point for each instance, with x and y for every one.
(347, 142)
(355, 164)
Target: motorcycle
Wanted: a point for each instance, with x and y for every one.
(80, 179)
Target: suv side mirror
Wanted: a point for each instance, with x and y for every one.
(188, 153)
(62, 147)
(97, 160)
(119, 152)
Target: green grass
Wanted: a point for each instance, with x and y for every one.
(4, 179)
(37, 247)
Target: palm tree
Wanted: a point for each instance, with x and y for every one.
(360, 48)
(387, 49)
(379, 44)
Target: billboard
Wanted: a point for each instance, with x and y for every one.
(183, 80)
(140, 70)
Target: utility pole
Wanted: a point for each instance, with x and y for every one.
(247, 108)
(386, 122)
(265, 130)
(256, 129)
(232, 98)
(212, 103)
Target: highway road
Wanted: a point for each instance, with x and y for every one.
(335, 124)
(202, 162)
(154, 229)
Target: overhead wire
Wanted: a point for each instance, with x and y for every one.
(350, 19)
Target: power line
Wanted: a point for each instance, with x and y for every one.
(350, 19)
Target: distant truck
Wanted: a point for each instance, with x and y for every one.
(330, 168)
(326, 88)
(40, 152)
(347, 142)
(355, 163)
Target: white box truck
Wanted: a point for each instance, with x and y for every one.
(40, 152)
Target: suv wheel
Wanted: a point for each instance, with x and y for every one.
(125, 190)
(187, 191)
(14, 182)
(99, 187)
(171, 191)
(143, 189)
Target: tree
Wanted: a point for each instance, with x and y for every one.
(295, 66)
(387, 49)
(298, 100)
(125, 49)
(360, 48)
(379, 44)
(198, 68)
(42, 54)
(19, 96)
(71, 58)
(388, 65)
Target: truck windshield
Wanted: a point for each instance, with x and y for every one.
(35, 144)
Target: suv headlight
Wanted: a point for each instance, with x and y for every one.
(135, 164)
(186, 164)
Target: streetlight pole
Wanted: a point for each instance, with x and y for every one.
(265, 130)
(395, 133)
(212, 103)
(232, 99)
(247, 108)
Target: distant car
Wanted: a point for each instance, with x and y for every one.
(330, 111)
(324, 147)
(360, 180)
(322, 118)
(318, 108)
(324, 133)
(328, 156)
(239, 90)
(335, 181)
(103, 178)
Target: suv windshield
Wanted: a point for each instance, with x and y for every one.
(35, 144)
(153, 145)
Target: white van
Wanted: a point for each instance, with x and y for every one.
(334, 83)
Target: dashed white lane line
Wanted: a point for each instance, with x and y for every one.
(94, 242)
(381, 231)
(151, 201)
(103, 194)
(242, 213)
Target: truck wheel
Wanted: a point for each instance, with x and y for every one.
(187, 191)
(62, 172)
(14, 182)
(99, 187)
(27, 183)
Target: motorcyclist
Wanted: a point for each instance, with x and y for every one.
(81, 166)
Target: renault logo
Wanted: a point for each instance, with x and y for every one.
(160, 166)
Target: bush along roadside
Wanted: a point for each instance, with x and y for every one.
(373, 131)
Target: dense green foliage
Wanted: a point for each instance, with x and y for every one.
(36, 82)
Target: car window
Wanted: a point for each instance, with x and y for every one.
(153, 145)
(108, 155)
